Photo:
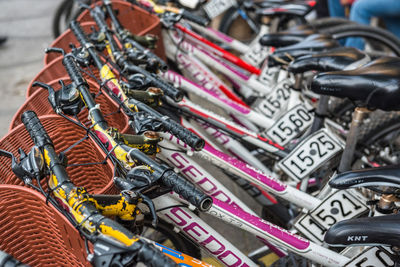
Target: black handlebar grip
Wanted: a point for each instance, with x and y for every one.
(156, 81)
(151, 256)
(35, 129)
(193, 140)
(73, 71)
(98, 16)
(168, 89)
(187, 190)
(195, 18)
(79, 33)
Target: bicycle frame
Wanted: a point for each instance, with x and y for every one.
(204, 235)
(213, 94)
(174, 43)
(176, 153)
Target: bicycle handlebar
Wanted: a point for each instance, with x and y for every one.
(127, 37)
(145, 252)
(177, 183)
(156, 81)
(193, 140)
(174, 181)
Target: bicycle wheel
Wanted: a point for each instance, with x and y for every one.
(65, 12)
(328, 22)
(165, 235)
(376, 36)
(292, 260)
(234, 25)
(381, 138)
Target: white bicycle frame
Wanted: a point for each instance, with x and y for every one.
(229, 209)
(178, 155)
(204, 235)
(172, 41)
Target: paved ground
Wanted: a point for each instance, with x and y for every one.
(27, 24)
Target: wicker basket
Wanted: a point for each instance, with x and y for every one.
(36, 233)
(38, 102)
(133, 18)
(55, 71)
(96, 178)
(64, 40)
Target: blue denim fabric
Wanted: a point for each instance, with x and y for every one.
(335, 8)
(363, 10)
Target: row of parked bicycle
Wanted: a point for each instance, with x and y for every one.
(107, 161)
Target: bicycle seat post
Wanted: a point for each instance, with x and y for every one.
(352, 138)
(320, 113)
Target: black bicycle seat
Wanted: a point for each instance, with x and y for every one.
(312, 44)
(382, 176)
(332, 60)
(291, 36)
(375, 85)
(383, 230)
(292, 9)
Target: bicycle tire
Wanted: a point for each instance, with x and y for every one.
(328, 22)
(356, 30)
(61, 9)
(291, 260)
(380, 125)
(383, 130)
(64, 9)
(180, 242)
(229, 17)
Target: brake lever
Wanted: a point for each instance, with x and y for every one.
(168, 19)
(4, 153)
(16, 166)
(54, 50)
(134, 196)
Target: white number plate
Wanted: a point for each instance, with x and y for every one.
(290, 125)
(371, 257)
(276, 102)
(310, 154)
(256, 55)
(339, 206)
(216, 7)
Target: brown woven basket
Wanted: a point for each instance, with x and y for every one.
(65, 39)
(36, 233)
(96, 178)
(38, 102)
(55, 71)
(138, 21)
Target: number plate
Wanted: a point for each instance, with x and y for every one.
(310, 154)
(371, 257)
(339, 206)
(216, 7)
(290, 125)
(274, 104)
(256, 55)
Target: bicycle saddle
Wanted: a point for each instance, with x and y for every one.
(312, 44)
(383, 230)
(382, 176)
(292, 9)
(375, 85)
(331, 60)
(292, 36)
